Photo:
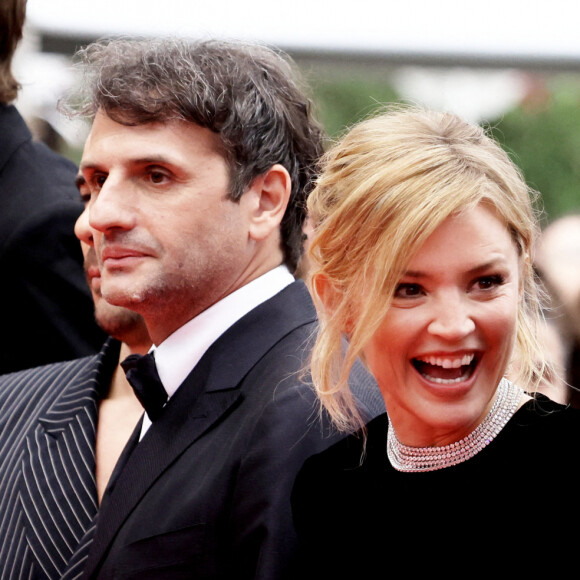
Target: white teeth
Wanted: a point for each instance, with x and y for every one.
(445, 381)
(448, 363)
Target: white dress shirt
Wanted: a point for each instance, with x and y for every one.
(178, 354)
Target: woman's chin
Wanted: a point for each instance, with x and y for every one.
(444, 411)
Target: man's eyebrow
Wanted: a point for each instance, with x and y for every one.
(152, 159)
(147, 160)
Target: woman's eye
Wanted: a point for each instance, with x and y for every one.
(408, 291)
(489, 282)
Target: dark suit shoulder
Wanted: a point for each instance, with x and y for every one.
(48, 418)
(47, 307)
(32, 386)
(32, 164)
(33, 391)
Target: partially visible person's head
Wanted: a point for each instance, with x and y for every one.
(120, 323)
(248, 95)
(558, 259)
(384, 190)
(12, 14)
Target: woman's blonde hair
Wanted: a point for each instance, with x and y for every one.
(383, 190)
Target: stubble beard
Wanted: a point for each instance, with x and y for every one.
(117, 321)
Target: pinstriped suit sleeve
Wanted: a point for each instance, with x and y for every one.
(47, 465)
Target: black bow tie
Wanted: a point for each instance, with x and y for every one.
(142, 374)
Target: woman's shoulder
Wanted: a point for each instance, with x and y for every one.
(351, 468)
(356, 451)
(542, 422)
(543, 411)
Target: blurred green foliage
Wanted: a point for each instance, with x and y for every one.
(344, 101)
(543, 138)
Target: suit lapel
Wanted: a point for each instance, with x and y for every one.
(211, 389)
(59, 495)
(183, 421)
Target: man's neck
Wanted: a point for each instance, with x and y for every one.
(119, 412)
(120, 387)
(163, 323)
(182, 350)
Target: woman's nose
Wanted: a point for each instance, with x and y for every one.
(452, 318)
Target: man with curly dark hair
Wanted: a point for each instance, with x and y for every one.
(198, 165)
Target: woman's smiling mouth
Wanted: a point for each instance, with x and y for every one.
(446, 370)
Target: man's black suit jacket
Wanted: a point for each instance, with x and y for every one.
(206, 493)
(45, 304)
(48, 493)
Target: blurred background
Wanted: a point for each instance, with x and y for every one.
(512, 65)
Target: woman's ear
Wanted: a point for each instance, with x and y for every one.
(331, 298)
(268, 197)
(326, 292)
(323, 290)
(525, 269)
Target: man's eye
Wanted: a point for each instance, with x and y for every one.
(97, 182)
(157, 177)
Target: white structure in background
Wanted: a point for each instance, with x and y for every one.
(45, 78)
(447, 32)
(476, 95)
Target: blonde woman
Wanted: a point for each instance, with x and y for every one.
(422, 258)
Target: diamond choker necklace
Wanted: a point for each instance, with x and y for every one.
(415, 459)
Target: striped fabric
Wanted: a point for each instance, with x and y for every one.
(48, 496)
(76, 564)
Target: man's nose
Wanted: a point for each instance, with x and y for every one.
(111, 209)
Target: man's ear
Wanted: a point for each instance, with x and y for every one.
(267, 199)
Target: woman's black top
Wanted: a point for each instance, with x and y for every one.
(511, 508)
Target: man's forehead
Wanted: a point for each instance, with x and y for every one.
(156, 139)
(184, 152)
